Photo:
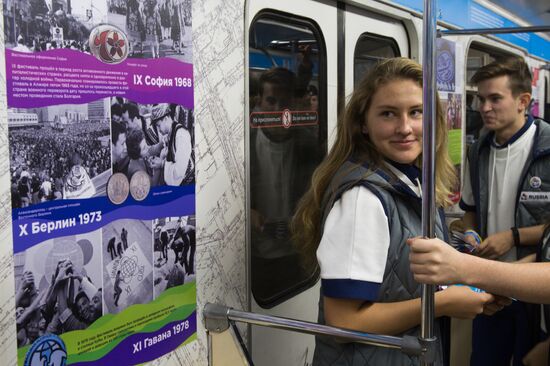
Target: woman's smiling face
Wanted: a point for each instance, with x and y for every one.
(394, 121)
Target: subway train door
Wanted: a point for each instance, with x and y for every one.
(291, 106)
(370, 37)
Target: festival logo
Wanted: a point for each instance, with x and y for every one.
(287, 118)
(109, 44)
(445, 61)
(535, 182)
(48, 350)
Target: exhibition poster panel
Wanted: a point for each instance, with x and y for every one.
(102, 167)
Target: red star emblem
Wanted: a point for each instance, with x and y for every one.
(116, 45)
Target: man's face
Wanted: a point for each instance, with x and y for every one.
(83, 306)
(116, 117)
(19, 311)
(499, 108)
(165, 125)
(134, 123)
(314, 102)
(119, 149)
(275, 98)
(95, 305)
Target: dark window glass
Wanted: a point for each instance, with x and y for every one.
(368, 51)
(287, 142)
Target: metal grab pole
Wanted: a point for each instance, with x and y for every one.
(428, 163)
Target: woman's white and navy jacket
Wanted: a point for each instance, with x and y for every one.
(403, 209)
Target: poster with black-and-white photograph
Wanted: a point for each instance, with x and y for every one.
(59, 152)
(58, 286)
(174, 252)
(154, 138)
(101, 144)
(127, 261)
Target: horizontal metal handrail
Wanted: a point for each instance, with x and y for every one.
(505, 30)
(217, 319)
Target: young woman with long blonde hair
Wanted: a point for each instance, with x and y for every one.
(363, 204)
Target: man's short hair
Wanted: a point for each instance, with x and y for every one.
(280, 77)
(514, 67)
(116, 110)
(117, 129)
(133, 143)
(132, 109)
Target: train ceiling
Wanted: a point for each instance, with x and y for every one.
(536, 12)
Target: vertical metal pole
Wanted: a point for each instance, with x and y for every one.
(428, 157)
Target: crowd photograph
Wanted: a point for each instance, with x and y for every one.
(174, 252)
(58, 286)
(157, 139)
(62, 158)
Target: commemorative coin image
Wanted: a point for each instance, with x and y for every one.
(140, 185)
(118, 188)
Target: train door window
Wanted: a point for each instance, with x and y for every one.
(287, 141)
(369, 50)
(480, 55)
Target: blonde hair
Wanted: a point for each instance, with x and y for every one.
(350, 141)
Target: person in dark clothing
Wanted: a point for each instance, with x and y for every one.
(119, 148)
(124, 238)
(24, 191)
(117, 288)
(178, 243)
(164, 244)
(189, 247)
(15, 197)
(111, 248)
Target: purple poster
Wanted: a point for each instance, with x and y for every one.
(102, 167)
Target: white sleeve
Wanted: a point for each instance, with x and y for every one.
(174, 172)
(354, 246)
